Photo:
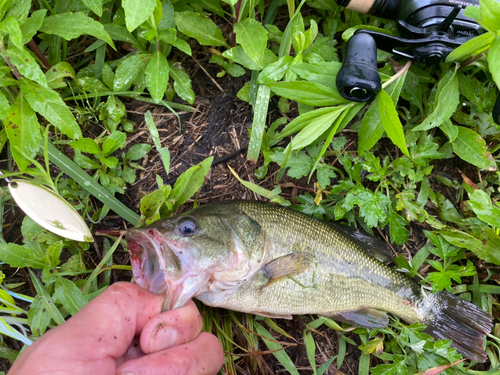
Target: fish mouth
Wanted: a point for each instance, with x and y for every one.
(157, 267)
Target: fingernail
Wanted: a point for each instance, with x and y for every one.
(164, 338)
(126, 373)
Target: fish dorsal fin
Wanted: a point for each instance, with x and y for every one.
(371, 245)
(286, 265)
(365, 317)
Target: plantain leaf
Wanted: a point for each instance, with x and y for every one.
(23, 131)
(157, 75)
(49, 104)
(72, 25)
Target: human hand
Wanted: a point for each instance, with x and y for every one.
(98, 339)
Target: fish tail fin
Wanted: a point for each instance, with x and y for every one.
(450, 317)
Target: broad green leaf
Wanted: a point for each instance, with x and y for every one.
(275, 71)
(190, 182)
(113, 142)
(46, 299)
(10, 26)
(182, 83)
(136, 12)
(38, 317)
(94, 5)
(19, 10)
(157, 76)
(316, 127)
(300, 122)
(56, 74)
(204, 30)
(494, 59)
(252, 36)
(72, 25)
(23, 130)
(151, 204)
(30, 26)
(307, 93)
(490, 14)
(87, 145)
(472, 47)
(259, 122)
(469, 146)
(481, 204)
(371, 125)
(397, 228)
(137, 151)
(447, 99)
(490, 245)
(26, 64)
(69, 295)
(450, 130)
(120, 33)
(30, 255)
(390, 121)
(50, 105)
(4, 107)
(128, 70)
(323, 73)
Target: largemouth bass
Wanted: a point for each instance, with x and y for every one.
(269, 260)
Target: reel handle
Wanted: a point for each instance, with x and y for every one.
(358, 79)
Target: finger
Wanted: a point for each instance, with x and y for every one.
(203, 355)
(171, 328)
(98, 334)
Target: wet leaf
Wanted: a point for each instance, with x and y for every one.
(259, 122)
(182, 83)
(252, 36)
(26, 64)
(49, 104)
(204, 30)
(87, 145)
(157, 76)
(23, 130)
(128, 70)
(94, 5)
(55, 75)
(38, 317)
(137, 12)
(72, 25)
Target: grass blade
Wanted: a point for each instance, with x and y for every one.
(92, 186)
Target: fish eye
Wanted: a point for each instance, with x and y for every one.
(187, 226)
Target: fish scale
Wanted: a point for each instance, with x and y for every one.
(354, 278)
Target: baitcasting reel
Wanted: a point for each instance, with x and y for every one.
(429, 29)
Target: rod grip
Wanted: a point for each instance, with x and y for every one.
(358, 79)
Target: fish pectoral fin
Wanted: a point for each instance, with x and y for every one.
(286, 265)
(271, 315)
(366, 317)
